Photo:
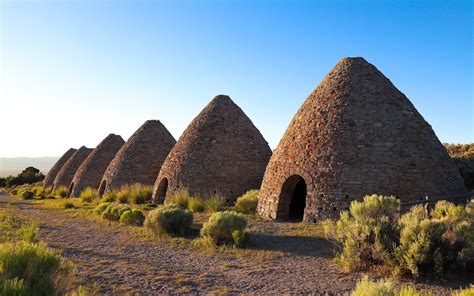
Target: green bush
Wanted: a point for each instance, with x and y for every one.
(417, 243)
(101, 208)
(247, 203)
(214, 203)
(14, 192)
(114, 211)
(68, 205)
(88, 195)
(169, 219)
(61, 191)
(181, 198)
(27, 194)
(109, 197)
(367, 233)
(134, 217)
(32, 267)
(366, 287)
(196, 205)
(225, 228)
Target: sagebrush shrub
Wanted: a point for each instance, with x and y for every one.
(366, 287)
(169, 219)
(113, 212)
(417, 243)
(134, 217)
(225, 228)
(34, 267)
(180, 197)
(88, 195)
(367, 232)
(38, 190)
(247, 203)
(100, 208)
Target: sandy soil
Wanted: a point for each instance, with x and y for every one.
(118, 261)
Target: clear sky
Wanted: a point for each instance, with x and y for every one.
(74, 71)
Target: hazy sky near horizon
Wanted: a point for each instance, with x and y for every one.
(74, 71)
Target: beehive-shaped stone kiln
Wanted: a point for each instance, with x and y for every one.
(221, 151)
(53, 172)
(356, 134)
(66, 173)
(90, 173)
(140, 159)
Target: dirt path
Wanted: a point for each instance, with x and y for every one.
(117, 261)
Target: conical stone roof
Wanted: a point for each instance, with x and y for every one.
(140, 159)
(221, 151)
(90, 173)
(66, 173)
(52, 173)
(356, 134)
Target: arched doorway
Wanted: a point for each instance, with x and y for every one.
(292, 199)
(102, 188)
(162, 188)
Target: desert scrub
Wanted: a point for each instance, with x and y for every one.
(214, 203)
(181, 198)
(134, 217)
(26, 194)
(100, 208)
(140, 194)
(88, 195)
(113, 212)
(13, 228)
(169, 219)
(226, 227)
(418, 243)
(109, 197)
(38, 191)
(61, 191)
(196, 205)
(366, 233)
(67, 205)
(247, 203)
(33, 268)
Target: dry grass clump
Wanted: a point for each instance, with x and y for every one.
(214, 203)
(61, 191)
(32, 269)
(460, 150)
(136, 194)
(417, 243)
(247, 203)
(88, 195)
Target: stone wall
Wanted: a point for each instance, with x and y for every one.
(53, 172)
(356, 134)
(140, 159)
(66, 173)
(221, 151)
(90, 173)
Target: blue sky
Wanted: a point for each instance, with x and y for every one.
(74, 71)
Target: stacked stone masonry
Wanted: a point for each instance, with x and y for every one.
(53, 172)
(90, 173)
(356, 134)
(65, 175)
(220, 152)
(140, 159)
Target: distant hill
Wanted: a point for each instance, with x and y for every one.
(14, 165)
